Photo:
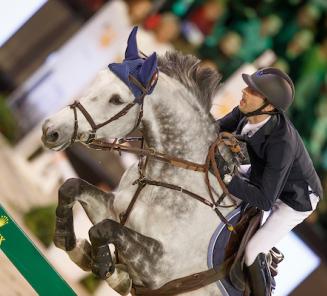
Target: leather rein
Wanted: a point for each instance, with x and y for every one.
(193, 281)
(142, 181)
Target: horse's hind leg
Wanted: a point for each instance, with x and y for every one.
(141, 252)
(97, 205)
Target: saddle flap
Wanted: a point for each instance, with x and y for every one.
(244, 230)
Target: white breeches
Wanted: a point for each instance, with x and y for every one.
(281, 220)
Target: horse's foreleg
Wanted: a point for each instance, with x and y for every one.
(141, 253)
(97, 205)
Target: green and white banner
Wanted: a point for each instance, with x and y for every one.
(28, 260)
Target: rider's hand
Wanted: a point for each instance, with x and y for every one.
(227, 179)
(222, 166)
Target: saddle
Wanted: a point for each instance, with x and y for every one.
(248, 224)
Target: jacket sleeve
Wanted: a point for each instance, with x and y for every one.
(229, 122)
(277, 169)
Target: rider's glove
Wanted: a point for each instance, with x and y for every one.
(222, 166)
(224, 170)
(227, 179)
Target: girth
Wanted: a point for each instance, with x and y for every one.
(245, 229)
(188, 283)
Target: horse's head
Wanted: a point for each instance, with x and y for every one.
(111, 107)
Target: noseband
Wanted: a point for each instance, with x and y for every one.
(139, 100)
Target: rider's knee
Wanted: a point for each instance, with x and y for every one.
(251, 252)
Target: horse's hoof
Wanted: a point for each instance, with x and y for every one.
(120, 280)
(102, 264)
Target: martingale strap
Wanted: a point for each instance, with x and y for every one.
(143, 181)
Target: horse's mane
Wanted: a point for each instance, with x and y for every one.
(203, 82)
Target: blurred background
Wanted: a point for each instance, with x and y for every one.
(50, 52)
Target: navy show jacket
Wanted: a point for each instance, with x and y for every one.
(280, 164)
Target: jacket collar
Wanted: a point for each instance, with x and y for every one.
(262, 133)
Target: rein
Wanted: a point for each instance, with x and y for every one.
(178, 162)
(142, 181)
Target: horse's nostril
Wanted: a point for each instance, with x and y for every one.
(52, 136)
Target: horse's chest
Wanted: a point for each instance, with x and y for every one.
(165, 213)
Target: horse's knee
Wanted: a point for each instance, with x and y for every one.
(251, 252)
(70, 187)
(104, 232)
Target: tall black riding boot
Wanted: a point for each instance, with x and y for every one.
(260, 278)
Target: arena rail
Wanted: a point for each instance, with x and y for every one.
(29, 261)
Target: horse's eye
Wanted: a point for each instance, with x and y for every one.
(115, 99)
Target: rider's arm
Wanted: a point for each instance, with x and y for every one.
(230, 121)
(278, 165)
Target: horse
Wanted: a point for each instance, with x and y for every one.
(167, 232)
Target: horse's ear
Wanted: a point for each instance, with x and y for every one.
(148, 68)
(120, 70)
(132, 52)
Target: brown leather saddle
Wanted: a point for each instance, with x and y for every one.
(248, 224)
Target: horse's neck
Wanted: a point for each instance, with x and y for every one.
(175, 123)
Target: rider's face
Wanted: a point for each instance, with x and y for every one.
(251, 100)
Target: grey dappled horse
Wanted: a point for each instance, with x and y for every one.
(167, 233)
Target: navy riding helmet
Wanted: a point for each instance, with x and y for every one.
(275, 85)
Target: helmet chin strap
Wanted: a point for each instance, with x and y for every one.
(260, 112)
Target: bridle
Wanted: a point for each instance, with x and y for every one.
(139, 100)
(94, 126)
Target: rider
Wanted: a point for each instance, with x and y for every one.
(281, 178)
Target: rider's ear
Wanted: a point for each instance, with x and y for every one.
(148, 68)
(132, 52)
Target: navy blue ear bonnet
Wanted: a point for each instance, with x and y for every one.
(143, 69)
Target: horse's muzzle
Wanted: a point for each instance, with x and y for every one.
(50, 136)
